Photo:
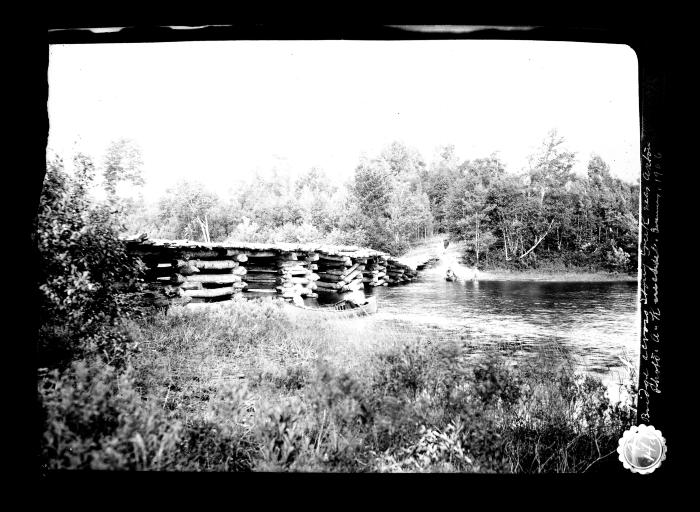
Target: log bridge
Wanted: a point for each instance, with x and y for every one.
(211, 272)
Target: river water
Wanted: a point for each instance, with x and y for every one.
(595, 323)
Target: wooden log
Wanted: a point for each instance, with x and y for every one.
(185, 268)
(193, 254)
(332, 271)
(239, 256)
(212, 264)
(300, 280)
(284, 263)
(352, 276)
(329, 278)
(262, 286)
(214, 278)
(252, 269)
(326, 286)
(261, 254)
(298, 271)
(178, 279)
(257, 273)
(335, 266)
(262, 278)
(312, 256)
(209, 293)
(351, 269)
(338, 259)
(240, 271)
(191, 286)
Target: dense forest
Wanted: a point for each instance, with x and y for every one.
(545, 216)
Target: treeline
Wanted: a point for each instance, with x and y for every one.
(545, 216)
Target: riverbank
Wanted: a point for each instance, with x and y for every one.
(555, 276)
(241, 386)
(433, 248)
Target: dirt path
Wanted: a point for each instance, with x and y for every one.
(448, 258)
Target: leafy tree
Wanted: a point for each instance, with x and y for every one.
(404, 163)
(468, 208)
(83, 268)
(437, 181)
(408, 212)
(551, 166)
(189, 206)
(123, 163)
(316, 181)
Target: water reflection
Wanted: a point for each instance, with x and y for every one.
(597, 322)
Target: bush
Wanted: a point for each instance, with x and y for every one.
(84, 267)
(563, 422)
(95, 419)
(280, 434)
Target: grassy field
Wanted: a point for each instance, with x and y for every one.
(242, 387)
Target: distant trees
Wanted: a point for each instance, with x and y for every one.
(437, 181)
(123, 164)
(548, 214)
(544, 215)
(468, 210)
(551, 167)
(387, 199)
(186, 208)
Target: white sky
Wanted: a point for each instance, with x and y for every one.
(216, 111)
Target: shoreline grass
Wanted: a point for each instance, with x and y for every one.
(554, 276)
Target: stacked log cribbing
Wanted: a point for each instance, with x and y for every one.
(207, 272)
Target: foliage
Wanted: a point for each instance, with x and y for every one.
(96, 418)
(123, 164)
(83, 268)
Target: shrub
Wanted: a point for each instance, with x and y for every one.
(563, 422)
(95, 419)
(280, 433)
(83, 268)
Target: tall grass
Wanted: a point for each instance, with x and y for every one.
(243, 386)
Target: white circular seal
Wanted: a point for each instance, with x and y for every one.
(642, 449)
